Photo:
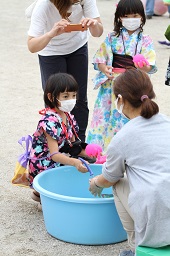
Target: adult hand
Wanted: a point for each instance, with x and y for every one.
(95, 26)
(89, 22)
(94, 188)
(58, 28)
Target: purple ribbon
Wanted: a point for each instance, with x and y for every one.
(23, 158)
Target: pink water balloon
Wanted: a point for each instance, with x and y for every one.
(94, 150)
(139, 59)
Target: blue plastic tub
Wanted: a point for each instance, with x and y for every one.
(71, 213)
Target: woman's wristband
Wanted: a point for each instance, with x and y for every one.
(97, 185)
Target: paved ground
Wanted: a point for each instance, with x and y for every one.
(22, 230)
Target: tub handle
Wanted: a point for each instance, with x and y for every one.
(87, 166)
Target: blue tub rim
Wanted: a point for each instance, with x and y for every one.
(60, 197)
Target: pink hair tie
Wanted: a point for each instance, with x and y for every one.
(144, 97)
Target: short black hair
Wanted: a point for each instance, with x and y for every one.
(56, 84)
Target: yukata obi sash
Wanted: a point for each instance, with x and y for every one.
(122, 61)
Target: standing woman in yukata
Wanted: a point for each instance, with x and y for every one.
(113, 57)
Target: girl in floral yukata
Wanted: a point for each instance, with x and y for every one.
(113, 57)
(57, 130)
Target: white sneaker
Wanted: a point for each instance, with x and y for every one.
(127, 253)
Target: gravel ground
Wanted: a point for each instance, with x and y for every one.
(22, 230)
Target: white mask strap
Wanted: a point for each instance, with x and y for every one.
(116, 104)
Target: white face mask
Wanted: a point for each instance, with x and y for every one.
(120, 110)
(131, 24)
(67, 105)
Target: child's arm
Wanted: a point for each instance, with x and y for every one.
(61, 158)
(107, 70)
(104, 54)
(141, 63)
(149, 53)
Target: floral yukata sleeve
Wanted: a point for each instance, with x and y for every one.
(148, 52)
(103, 55)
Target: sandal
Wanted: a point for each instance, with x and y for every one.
(35, 196)
(39, 207)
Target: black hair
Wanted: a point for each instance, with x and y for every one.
(132, 85)
(56, 84)
(126, 7)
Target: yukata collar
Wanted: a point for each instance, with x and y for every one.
(45, 110)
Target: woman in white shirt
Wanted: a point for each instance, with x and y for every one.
(66, 52)
(137, 164)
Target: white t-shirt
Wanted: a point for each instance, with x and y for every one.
(142, 150)
(45, 14)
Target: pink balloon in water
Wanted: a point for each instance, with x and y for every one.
(160, 8)
(94, 150)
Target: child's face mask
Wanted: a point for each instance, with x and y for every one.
(131, 24)
(67, 105)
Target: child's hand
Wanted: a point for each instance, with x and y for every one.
(141, 63)
(145, 67)
(107, 70)
(79, 165)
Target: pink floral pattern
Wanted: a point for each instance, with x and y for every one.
(51, 123)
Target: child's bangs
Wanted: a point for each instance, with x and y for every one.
(131, 7)
(71, 87)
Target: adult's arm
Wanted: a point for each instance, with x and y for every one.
(95, 26)
(114, 168)
(36, 44)
(92, 17)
